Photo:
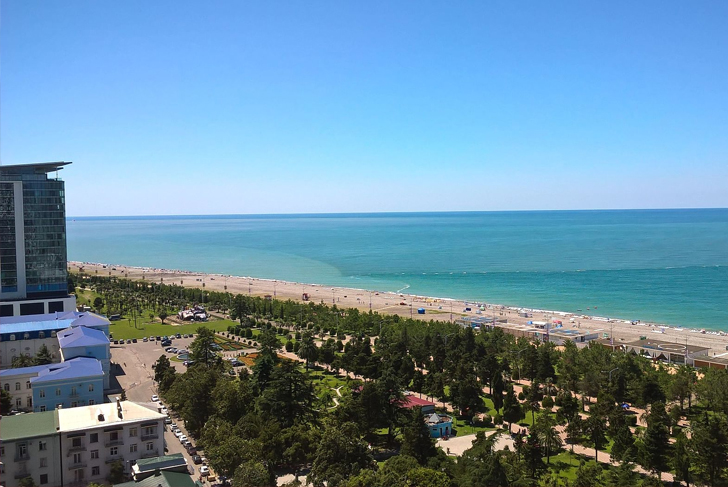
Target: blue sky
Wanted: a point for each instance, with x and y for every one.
(188, 107)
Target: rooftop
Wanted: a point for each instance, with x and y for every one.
(33, 370)
(35, 167)
(84, 417)
(665, 346)
(163, 479)
(81, 336)
(71, 369)
(50, 321)
(412, 401)
(167, 461)
(30, 425)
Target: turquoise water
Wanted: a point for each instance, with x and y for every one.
(668, 266)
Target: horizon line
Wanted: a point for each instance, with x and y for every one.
(359, 213)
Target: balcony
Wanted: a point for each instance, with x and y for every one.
(152, 436)
(81, 447)
(74, 466)
(22, 457)
(115, 458)
(150, 454)
(22, 474)
(117, 442)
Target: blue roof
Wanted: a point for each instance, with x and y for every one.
(35, 369)
(49, 321)
(73, 369)
(81, 336)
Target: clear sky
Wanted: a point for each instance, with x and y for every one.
(192, 107)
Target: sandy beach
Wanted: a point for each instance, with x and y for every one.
(442, 309)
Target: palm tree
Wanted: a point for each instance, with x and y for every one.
(308, 350)
(545, 430)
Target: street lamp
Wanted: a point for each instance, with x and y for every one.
(610, 373)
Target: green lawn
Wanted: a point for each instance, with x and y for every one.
(124, 329)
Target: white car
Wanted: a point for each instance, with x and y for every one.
(178, 433)
(204, 470)
(182, 438)
(165, 411)
(155, 398)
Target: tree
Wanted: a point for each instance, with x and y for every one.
(164, 373)
(288, 396)
(481, 464)
(512, 411)
(588, 475)
(22, 360)
(533, 400)
(623, 446)
(545, 430)
(6, 402)
(308, 350)
(656, 440)
(43, 357)
(594, 428)
(240, 309)
(163, 316)
(710, 445)
(533, 456)
(574, 431)
(416, 440)
(26, 482)
(681, 462)
(98, 303)
(116, 472)
(340, 455)
(202, 349)
(254, 474)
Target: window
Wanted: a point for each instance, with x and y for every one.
(43, 462)
(149, 430)
(22, 450)
(113, 451)
(26, 336)
(94, 454)
(6, 387)
(42, 446)
(18, 402)
(27, 384)
(74, 404)
(76, 442)
(91, 402)
(41, 393)
(42, 409)
(2, 451)
(41, 334)
(17, 386)
(76, 458)
(94, 438)
(150, 446)
(113, 436)
(43, 478)
(95, 471)
(132, 448)
(73, 391)
(90, 387)
(53, 334)
(132, 432)
(58, 391)
(12, 338)
(29, 402)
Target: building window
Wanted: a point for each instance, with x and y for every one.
(90, 387)
(149, 430)
(29, 402)
(53, 334)
(95, 471)
(73, 391)
(132, 448)
(113, 436)
(27, 384)
(42, 409)
(22, 450)
(43, 478)
(42, 446)
(76, 458)
(41, 334)
(41, 393)
(132, 432)
(113, 451)
(17, 386)
(58, 391)
(150, 446)
(43, 462)
(26, 336)
(18, 402)
(91, 402)
(94, 438)
(6, 387)
(94, 454)
(74, 404)
(12, 338)
(2, 451)
(76, 442)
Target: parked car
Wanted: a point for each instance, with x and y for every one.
(166, 343)
(155, 398)
(145, 339)
(133, 340)
(196, 459)
(167, 420)
(178, 335)
(187, 363)
(165, 411)
(128, 342)
(187, 444)
(204, 470)
(116, 342)
(159, 338)
(182, 438)
(168, 349)
(179, 433)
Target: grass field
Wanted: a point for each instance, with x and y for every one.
(124, 329)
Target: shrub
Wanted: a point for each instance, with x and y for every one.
(521, 396)
(497, 419)
(298, 336)
(296, 346)
(547, 402)
(289, 346)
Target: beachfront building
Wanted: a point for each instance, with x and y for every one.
(670, 352)
(73, 447)
(33, 273)
(81, 341)
(25, 335)
(77, 382)
(707, 361)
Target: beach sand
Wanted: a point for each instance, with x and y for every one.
(406, 305)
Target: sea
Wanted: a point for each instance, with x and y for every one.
(661, 266)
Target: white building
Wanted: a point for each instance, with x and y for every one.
(72, 447)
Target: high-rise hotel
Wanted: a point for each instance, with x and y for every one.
(33, 273)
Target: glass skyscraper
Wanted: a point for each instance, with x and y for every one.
(33, 264)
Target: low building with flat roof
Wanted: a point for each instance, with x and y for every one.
(163, 479)
(710, 362)
(670, 352)
(411, 401)
(146, 467)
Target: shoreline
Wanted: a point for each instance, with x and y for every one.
(406, 305)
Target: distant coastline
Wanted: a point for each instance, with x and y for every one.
(443, 309)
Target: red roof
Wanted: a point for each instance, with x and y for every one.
(413, 401)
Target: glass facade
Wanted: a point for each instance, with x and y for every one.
(8, 259)
(44, 231)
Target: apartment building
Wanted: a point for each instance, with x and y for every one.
(80, 444)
